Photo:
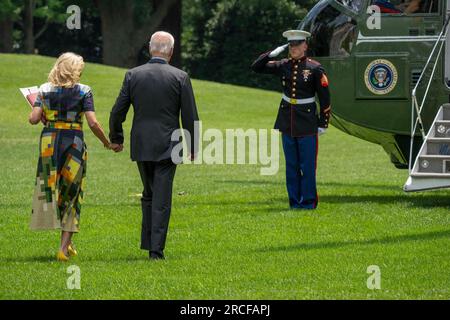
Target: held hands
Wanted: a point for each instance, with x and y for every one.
(116, 147)
(278, 50)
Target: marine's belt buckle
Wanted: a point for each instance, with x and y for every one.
(293, 101)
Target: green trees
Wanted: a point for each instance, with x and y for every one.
(221, 38)
(117, 29)
(49, 11)
(128, 24)
(23, 14)
(9, 12)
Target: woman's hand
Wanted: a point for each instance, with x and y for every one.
(36, 116)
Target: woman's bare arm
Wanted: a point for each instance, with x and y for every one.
(35, 116)
(96, 128)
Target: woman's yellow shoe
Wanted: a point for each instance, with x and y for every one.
(60, 256)
(72, 251)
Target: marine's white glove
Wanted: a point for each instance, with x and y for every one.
(322, 131)
(278, 50)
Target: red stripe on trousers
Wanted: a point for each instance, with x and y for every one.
(315, 169)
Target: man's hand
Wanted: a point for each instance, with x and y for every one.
(278, 50)
(116, 147)
(322, 131)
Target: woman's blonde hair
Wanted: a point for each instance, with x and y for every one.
(67, 70)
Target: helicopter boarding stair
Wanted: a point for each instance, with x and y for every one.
(431, 169)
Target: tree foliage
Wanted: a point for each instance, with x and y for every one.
(9, 9)
(222, 37)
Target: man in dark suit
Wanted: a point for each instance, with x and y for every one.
(158, 93)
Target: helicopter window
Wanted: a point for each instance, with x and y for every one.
(334, 33)
(354, 5)
(407, 6)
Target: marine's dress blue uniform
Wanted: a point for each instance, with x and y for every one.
(298, 120)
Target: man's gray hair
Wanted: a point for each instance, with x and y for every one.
(162, 42)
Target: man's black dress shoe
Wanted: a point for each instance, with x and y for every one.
(156, 256)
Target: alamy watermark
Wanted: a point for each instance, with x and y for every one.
(234, 146)
(74, 20)
(374, 280)
(74, 280)
(374, 19)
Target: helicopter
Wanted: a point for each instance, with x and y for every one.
(388, 63)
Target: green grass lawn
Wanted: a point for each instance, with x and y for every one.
(231, 234)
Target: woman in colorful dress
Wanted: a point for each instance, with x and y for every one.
(61, 104)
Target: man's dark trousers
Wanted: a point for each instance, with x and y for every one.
(157, 178)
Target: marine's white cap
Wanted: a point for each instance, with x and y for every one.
(296, 35)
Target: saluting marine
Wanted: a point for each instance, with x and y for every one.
(298, 118)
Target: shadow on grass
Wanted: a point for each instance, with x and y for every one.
(38, 259)
(280, 203)
(82, 259)
(339, 244)
(417, 200)
(249, 182)
(364, 186)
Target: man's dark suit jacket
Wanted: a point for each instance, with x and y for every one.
(158, 93)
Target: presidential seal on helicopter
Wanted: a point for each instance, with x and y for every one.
(391, 83)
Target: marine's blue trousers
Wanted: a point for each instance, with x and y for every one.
(301, 164)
